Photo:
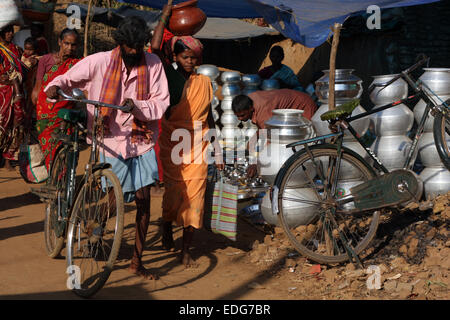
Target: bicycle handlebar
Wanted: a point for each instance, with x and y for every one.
(404, 73)
(80, 98)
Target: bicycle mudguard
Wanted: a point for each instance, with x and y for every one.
(387, 190)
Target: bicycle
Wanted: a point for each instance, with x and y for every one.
(335, 228)
(84, 213)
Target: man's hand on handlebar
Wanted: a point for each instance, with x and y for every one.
(52, 92)
(128, 104)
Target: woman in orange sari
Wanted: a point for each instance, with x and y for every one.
(46, 112)
(12, 101)
(189, 113)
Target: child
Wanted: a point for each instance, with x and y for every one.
(29, 56)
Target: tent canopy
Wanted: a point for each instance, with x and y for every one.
(214, 28)
(305, 21)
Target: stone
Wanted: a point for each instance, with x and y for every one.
(412, 248)
(268, 239)
(255, 285)
(343, 285)
(390, 286)
(350, 267)
(290, 263)
(430, 234)
(403, 249)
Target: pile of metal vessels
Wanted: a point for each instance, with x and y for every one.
(390, 126)
(435, 177)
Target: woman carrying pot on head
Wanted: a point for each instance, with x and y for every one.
(185, 172)
(12, 100)
(46, 112)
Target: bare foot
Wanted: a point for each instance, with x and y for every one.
(167, 237)
(187, 260)
(142, 272)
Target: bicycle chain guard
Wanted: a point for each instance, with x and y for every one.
(387, 190)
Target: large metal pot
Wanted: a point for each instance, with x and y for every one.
(347, 86)
(436, 181)
(427, 150)
(270, 84)
(253, 80)
(288, 125)
(209, 70)
(437, 79)
(230, 77)
(395, 91)
(230, 89)
(226, 103)
(229, 119)
(419, 109)
(271, 158)
(392, 150)
(296, 213)
(321, 127)
(393, 121)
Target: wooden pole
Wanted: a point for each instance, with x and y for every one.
(331, 99)
(86, 28)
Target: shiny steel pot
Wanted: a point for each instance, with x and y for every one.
(271, 158)
(229, 119)
(392, 150)
(436, 181)
(437, 79)
(231, 133)
(347, 86)
(343, 189)
(230, 89)
(230, 77)
(393, 121)
(270, 84)
(395, 91)
(427, 150)
(321, 127)
(215, 102)
(296, 213)
(226, 103)
(253, 80)
(209, 70)
(419, 109)
(288, 125)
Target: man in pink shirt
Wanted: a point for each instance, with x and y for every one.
(127, 76)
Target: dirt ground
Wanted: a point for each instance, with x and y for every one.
(411, 249)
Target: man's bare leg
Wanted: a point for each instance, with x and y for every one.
(142, 221)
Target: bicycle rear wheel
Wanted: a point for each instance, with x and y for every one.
(441, 133)
(56, 180)
(95, 232)
(317, 226)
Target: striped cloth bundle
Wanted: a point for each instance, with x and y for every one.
(224, 209)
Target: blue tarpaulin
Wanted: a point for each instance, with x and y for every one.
(305, 21)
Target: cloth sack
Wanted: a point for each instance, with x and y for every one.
(32, 163)
(10, 13)
(224, 209)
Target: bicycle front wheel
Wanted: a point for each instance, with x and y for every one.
(56, 180)
(441, 133)
(95, 232)
(316, 224)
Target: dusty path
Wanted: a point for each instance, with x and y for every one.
(256, 266)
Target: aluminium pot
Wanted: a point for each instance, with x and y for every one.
(209, 70)
(296, 213)
(392, 150)
(288, 125)
(395, 91)
(436, 181)
(397, 120)
(347, 86)
(230, 77)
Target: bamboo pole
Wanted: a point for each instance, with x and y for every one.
(331, 99)
(86, 28)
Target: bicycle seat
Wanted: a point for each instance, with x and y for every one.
(71, 115)
(342, 111)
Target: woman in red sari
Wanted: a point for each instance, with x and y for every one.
(46, 112)
(11, 97)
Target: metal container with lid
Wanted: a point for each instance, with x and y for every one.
(347, 86)
(209, 70)
(288, 125)
(437, 79)
(270, 84)
(395, 91)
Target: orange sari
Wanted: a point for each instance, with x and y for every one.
(185, 182)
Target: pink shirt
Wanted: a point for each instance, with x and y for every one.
(88, 75)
